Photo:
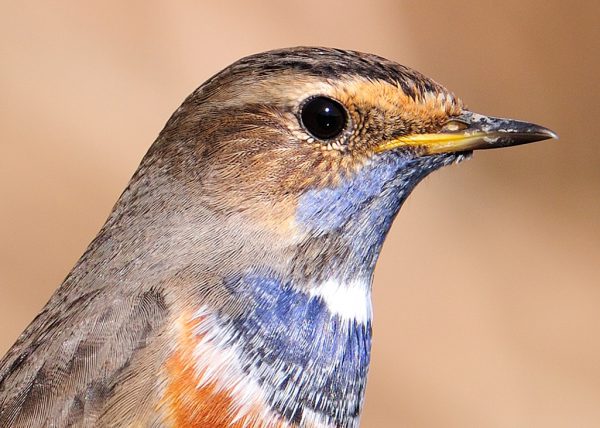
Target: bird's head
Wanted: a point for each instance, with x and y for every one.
(313, 151)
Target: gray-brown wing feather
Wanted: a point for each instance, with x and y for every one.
(75, 356)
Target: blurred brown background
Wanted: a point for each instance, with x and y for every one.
(487, 294)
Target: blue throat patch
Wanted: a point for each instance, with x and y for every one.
(304, 356)
(361, 209)
(330, 208)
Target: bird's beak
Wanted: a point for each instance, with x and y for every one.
(472, 131)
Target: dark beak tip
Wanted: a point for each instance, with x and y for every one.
(541, 135)
(529, 133)
(545, 133)
(552, 135)
(500, 132)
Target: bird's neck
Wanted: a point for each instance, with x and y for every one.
(268, 333)
(292, 345)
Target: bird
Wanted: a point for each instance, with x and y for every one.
(231, 283)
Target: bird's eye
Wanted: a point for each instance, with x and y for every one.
(323, 117)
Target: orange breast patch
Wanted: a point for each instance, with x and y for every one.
(189, 403)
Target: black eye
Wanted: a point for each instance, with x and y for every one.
(323, 117)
